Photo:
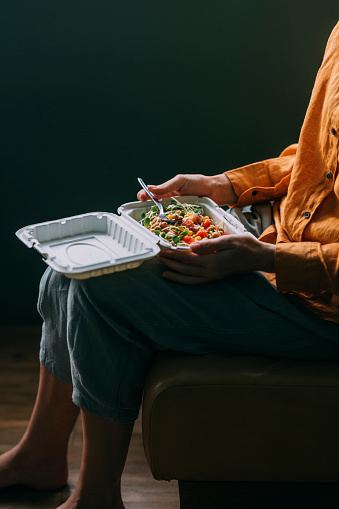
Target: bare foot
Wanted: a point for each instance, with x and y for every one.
(75, 503)
(19, 466)
(78, 505)
(84, 499)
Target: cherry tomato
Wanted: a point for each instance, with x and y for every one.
(195, 218)
(188, 239)
(206, 223)
(201, 234)
(188, 223)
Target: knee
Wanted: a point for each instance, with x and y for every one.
(53, 291)
(53, 282)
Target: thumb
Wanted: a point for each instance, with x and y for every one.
(212, 245)
(204, 247)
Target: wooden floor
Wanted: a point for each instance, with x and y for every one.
(19, 367)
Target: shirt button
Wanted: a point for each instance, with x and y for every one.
(254, 192)
(333, 131)
(329, 175)
(307, 214)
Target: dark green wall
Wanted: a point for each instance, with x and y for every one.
(96, 93)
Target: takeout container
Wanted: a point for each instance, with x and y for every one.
(97, 243)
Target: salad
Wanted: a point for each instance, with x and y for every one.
(191, 224)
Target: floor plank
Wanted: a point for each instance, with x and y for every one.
(19, 368)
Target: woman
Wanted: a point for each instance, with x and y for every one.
(281, 293)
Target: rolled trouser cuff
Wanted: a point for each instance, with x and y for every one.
(105, 412)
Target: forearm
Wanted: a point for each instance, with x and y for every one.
(217, 187)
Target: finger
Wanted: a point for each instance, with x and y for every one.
(183, 278)
(213, 245)
(183, 268)
(158, 191)
(168, 188)
(142, 195)
(182, 255)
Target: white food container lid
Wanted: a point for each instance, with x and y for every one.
(90, 244)
(97, 243)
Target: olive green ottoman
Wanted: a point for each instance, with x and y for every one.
(232, 428)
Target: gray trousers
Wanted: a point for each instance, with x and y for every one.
(100, 334)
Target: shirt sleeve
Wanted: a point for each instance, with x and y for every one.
(307, 267)
(263, 181)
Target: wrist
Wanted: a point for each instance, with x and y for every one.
(267, 257)
(221, 189)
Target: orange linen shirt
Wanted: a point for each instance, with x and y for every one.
(303, 183)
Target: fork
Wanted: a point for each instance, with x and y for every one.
(161, 214)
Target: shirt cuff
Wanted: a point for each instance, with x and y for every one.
(298, 266)
(241, 182)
